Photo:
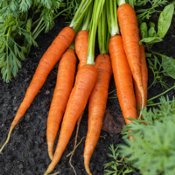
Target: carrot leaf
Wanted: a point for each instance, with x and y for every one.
(153, 140)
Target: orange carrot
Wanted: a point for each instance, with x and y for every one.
(81, 49)
(46, 64)
(97, 106)
(64, 84)
(130, 35)
(123, 78)
(84, 84)
(144, 71)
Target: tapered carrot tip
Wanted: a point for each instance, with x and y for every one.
(49, 170)
(50, 150)
(7, 140)
(86, 165)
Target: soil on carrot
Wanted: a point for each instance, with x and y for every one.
(26, 153)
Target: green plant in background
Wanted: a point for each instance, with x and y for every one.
(117, 165)
(21, 22)
(154, 32)
(151, 149)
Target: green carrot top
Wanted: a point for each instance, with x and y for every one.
(80, 13)
(97, 11)
(111, 6)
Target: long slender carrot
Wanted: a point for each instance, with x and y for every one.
(121, 69)
(82, 49)
(144, 71)
(130, 35)
(64, 84)
(46, 64)
(99, 95)
(123, 78)
(97, 106)
(84, 84)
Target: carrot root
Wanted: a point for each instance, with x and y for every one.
(7, 139)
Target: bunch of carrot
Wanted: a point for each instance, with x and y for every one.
(90, 83)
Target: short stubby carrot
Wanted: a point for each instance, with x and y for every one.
(123, 78)
(85, 81)
(46, 64)
(130, 35)
(81, 46)
(144, 72)
(64, 84)
(97, 106)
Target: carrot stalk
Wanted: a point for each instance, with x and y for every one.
(121, 69)
(98, 98)
(46, 64)
(64, 84)
(130, 36)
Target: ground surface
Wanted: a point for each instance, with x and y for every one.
(26, 154)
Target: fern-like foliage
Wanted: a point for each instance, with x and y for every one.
(151, 149)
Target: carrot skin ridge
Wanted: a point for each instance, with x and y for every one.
(84, 84)
(82, 49)
(97, 106)
(123, 78)
(130, 35)
(64, 85)
(144, 72)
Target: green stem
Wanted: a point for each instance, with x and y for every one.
(97, 10)
(120, 2)
(159, 103)
(87, 18)
(37, 27)
(161, 94)
(77, 19)
(103, 33)
(112, 17)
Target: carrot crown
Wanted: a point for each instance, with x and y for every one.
(97, 10)
(103, 35)
(120, 2)
(112, 17)
(78, 17)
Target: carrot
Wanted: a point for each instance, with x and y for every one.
(99, 95)
(121, 69)
(84, 84)
(144, 71)
(123, 78)
(46, 64)
(82, 49)
(82, 37)
(130, 35)
(64, 84)
(97, 106)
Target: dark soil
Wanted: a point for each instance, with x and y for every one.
(26, 153)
